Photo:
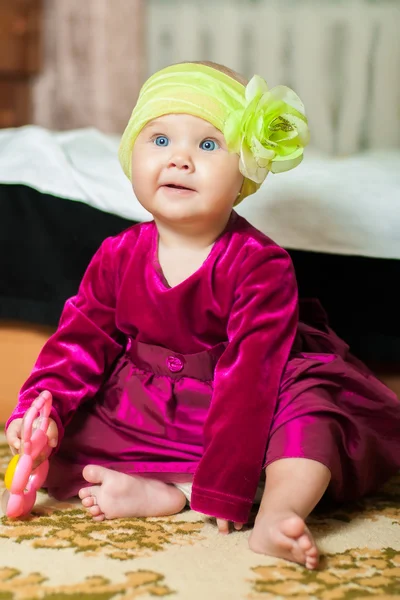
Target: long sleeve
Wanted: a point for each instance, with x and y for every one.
(75, 360)
(261, 329)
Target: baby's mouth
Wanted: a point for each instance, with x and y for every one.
(178, 187)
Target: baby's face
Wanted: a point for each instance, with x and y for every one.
(182, 170)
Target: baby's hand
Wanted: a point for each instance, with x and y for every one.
(223, 526)
(13, 434)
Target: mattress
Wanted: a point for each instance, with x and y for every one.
(341, 205)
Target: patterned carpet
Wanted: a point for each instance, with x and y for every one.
(59, 553)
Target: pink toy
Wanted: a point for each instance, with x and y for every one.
(27, 470)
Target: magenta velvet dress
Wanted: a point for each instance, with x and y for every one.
(209, 380)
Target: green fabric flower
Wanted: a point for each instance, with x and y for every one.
(270, 133)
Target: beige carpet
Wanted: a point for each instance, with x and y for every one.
(59, 553)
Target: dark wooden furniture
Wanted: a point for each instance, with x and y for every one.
(20, 58)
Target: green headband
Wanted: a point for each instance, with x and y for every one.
(267, 128)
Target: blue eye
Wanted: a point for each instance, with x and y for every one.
(209, 145)
(161, 140)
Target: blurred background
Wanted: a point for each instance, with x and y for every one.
(67, 64)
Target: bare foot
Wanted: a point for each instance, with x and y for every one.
(284, 536)
(118, 495)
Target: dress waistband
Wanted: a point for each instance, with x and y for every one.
(162, 361)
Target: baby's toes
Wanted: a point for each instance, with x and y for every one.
(85, 492)
(89, 501)
(305, 543)
(312, 557)
(99, 517)
(96, 511)
(311, 562)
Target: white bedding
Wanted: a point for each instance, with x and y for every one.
(348, 205)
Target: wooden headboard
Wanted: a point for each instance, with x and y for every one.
(20, 58)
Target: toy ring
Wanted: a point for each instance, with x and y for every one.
(27, 471)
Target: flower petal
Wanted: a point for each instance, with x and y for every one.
(247, 162)
(288, 96)
(261, 151)
(261, 174)
(285, 163)
(249, 166)
(256, 87)
(301, 126)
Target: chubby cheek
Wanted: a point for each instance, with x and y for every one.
(144, 176)
(237, 182)
(236, 176)
(138, 182)
(226, 184)
(229, 175)
(138, 190)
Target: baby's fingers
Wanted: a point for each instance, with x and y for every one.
(13, 436)
(52, 434)
(15, 444)
(52, 431)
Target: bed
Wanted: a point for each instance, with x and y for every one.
(62, 193)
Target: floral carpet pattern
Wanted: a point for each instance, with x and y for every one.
(58, 553)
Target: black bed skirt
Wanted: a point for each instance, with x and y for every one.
(47, 242)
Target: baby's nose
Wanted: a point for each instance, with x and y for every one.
(181, 161)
